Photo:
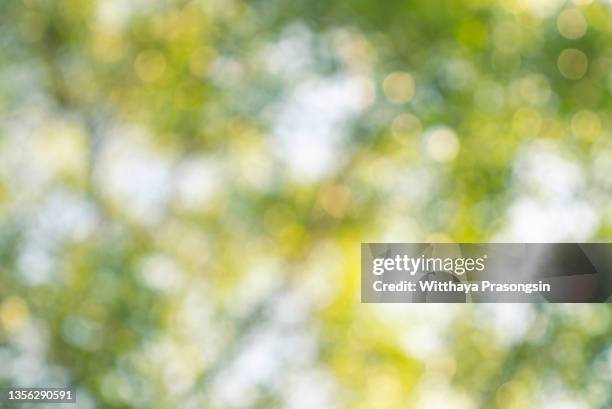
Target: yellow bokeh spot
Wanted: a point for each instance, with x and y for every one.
(150, 65)
(572, 63)
(406, 127)
(293, 239)
(439, 237)
(399, 87)
(107, 46)
(13, 313)
(278, 216)
(62, 147)
(199, 61)
(571, 24)
(551, 128)
(535, 89)
(442, 144)
(354, 49)
(526, 121)
(586, 125)
(335, 200)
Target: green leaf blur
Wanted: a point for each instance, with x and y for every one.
(184, 187)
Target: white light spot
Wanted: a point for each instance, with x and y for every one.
(441, 144)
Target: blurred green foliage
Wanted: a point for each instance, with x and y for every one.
(184, 187)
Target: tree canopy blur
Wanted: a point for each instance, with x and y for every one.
(184, 187)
